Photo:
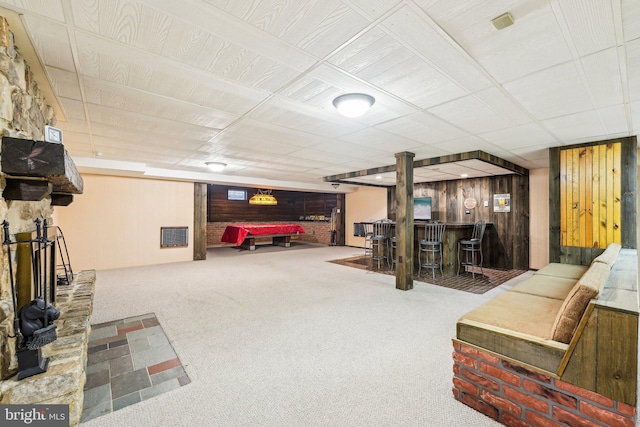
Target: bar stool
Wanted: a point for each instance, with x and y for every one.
(367, 233)
(431, 246)
(379, 241)
(472, 248)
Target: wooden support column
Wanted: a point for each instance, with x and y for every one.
(340, 222)
(404, 220)
(199, 221)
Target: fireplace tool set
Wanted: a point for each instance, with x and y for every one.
(33, 322)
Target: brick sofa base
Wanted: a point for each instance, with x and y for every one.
(516, 396)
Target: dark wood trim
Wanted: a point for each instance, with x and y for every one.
(470, 155)
(340, 220)
(199, 221)
(629, 187)
(554, 204)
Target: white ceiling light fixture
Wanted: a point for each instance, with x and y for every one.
(353, 104)
(216, 166)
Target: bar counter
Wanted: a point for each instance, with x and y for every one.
(452, 233)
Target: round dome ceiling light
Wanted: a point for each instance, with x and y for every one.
(216, 166)
(353, 104)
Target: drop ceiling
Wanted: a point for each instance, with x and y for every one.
(163, 86)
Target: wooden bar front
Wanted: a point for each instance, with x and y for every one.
(453, 232)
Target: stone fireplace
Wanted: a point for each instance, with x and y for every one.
(36, 176)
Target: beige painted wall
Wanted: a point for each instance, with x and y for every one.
(539, 219)
(363, 204)
(116, 222)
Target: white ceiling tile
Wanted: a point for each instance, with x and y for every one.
(504, 105)
(73, 108)
(576, 126)
(422, 127)
(553, 92)
(249, 128)
(471, 115)
(51, 9)
(533, 43)
(428, 151)
(631, 19)
(590, 23)
(521, 136)
(633, 68)
(386, 143)
(230, 28)
(51, 40)
(416, 33)
(615, 120)
(65, 83)
(602, 71)
(75, 126)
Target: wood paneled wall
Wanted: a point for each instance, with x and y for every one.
(590, 196)
(592, 199)
(292, 205)
(509, 234)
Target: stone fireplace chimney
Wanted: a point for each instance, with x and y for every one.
(34, 177)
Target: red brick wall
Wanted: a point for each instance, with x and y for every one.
(518, 397)
(314, 232)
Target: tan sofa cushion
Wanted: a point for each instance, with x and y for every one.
(609, 255)
(515, 311)
(568, 271)
(546, 286)
(575, 304)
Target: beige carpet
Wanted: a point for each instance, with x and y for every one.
(284, 338)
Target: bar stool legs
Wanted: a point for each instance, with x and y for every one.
(432, 257)
(431, 246)
(472, 249)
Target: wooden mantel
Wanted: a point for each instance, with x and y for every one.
(35, 169)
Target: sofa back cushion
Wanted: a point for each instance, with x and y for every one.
(576, 302)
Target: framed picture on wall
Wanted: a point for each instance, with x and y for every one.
(422, 208)
(236, 195)
(502, 202)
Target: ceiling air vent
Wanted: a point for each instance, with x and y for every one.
(174, 237)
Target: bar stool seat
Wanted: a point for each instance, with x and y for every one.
(470, 250)
(431, 247)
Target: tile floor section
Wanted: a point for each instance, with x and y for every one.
(129, 360)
